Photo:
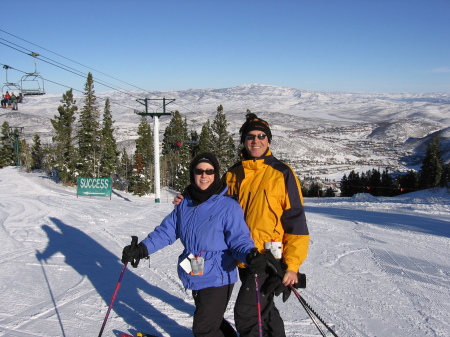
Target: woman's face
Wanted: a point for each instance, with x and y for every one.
(203, 180)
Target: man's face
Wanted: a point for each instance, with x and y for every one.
(256, 147)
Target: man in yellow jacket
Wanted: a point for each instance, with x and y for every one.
(270, 195)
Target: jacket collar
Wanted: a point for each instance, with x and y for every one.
(214, 197)
(267, 157)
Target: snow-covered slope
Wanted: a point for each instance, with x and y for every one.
(376, 266)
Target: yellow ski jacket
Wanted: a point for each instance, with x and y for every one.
(270, 195)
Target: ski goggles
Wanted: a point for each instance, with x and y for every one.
(199, 172)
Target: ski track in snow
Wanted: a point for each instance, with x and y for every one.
(376, 266)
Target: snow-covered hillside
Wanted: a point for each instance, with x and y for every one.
(336, 130)
(376, 266)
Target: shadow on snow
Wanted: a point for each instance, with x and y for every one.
(103, 268)
(416, 223)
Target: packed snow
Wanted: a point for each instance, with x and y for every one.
(376, 266)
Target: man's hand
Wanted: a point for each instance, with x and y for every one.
(289, 278)
(177, 200)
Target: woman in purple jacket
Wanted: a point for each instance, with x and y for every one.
(215, 236)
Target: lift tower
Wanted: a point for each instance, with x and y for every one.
(155, 116)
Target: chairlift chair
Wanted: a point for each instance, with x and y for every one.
(32, 83)
(10, 86)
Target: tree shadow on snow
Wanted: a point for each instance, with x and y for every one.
(103, 268)
(416, 223)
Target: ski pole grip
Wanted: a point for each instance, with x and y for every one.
(301, 281)
(134, 242)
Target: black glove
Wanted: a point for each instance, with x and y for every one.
(274, 285)
(134, 252)
(276, 269)
(256, 262)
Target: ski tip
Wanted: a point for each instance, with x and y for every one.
(139, 334)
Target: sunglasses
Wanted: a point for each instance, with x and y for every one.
(261, 136)
(199, 172)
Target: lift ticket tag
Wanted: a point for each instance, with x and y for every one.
(275, 248)
(193, 265)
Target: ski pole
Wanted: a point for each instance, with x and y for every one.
(309, 314)
(113, 298)
(134, 240)
(311, 311)
(258, 305)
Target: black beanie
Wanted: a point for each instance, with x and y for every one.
(205, 157)
(254, 123)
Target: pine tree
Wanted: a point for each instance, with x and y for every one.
(25, 155)
(36, 153)
(143, 173)
(124, 170)
(373, 182)
(344, 186)
(352, 184)
(182, 176)
(223, 144)
(446, 175)
(109, 153)
(408, 182)
(206, 139)
(431, 170)
(175, 133)
(144, 143)
(387, 184)
(65, 156)
(330, 192)
(138, 183)
(88, 132)
(176, 154)
(7, 157)
(193, 144)
(315, 190)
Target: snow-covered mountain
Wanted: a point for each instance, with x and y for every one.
(318, 133)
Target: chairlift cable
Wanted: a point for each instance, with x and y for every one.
(96, 80)
(76, 72)
(12, 47)
(75, 61)
(66, 86)
(79, 72)
(67, 68)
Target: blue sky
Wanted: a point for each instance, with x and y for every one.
(326, 45)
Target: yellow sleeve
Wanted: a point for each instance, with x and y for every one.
(295, 250)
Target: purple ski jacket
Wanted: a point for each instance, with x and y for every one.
(214, 230)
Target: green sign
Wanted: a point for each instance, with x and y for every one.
(97, 187)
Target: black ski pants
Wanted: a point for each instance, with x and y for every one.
(210, 306)
(246, 310)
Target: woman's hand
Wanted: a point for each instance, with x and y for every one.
(177, 200)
